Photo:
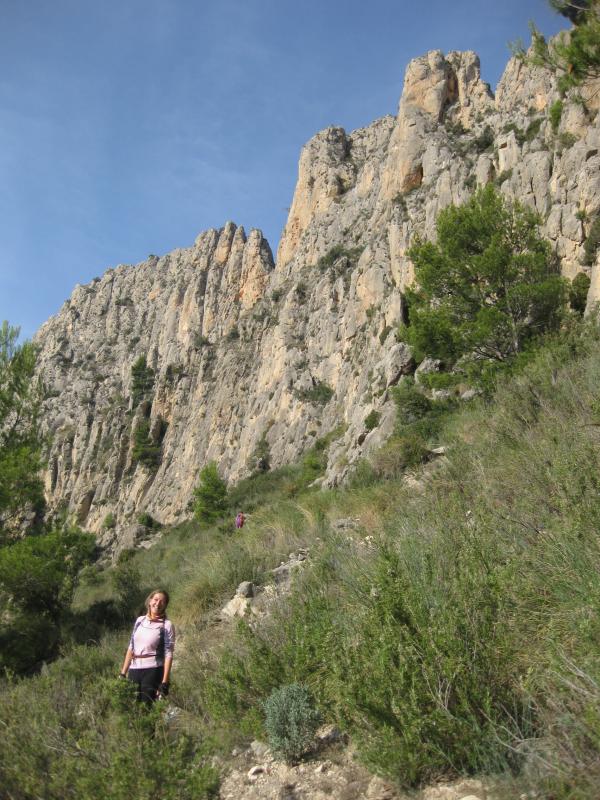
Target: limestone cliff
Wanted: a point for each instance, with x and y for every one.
(239, 349)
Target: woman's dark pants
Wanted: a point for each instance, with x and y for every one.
(147, 681)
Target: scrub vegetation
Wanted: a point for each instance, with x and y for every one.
(472, 607)
(453, 628)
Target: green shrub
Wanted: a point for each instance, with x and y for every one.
(440, 380)
(363, 475)
(109, 521)
(76, 732)
(21, 396)
(578, 292)
(591, 243)
(455, 128)
(338, 252)
(320, 393)
(287, 481)
(146, 449)
(291, 721)
(372, 420)
(384, 334)
(533, 129)
(484, 141)
(260, 460)
(505, 175)
(526, 135)
(142, 381)
(555, 114)
(173, 372)
(399, 200)
(301, 290)
(411, 404)
(38, 575)
(487, 286)
(148, 521)
(128, 590)
(471, 181)
(201, 341)
(210, 496)
(567, 140)
(405, 450)
(519, 133)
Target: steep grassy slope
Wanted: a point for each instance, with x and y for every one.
(456, 630)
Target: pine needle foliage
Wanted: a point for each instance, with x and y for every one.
(21, 395)
(573, 55)
(487, 286)
(142, 381)
(210, 496)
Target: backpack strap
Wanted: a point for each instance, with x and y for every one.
(160, 650)
(137, 624)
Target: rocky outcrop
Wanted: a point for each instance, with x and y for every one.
(235, 351)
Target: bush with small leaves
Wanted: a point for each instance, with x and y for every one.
(148, 521)
(291, 721)
(485, 140)
(320, 392)
(201, 341)
(301, 291)
(554, 114)
(109, 521)
(210, 496)
(411, 404)
(578, 292)
(21, 396)
(260, 460)
(591, 243)
(142, 381)
(533, 129)
(372, 420)
(146, 448)
(487, 286)
(567, 140)
(338, 252)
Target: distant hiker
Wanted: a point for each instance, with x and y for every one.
(239, 520)
(150, 653)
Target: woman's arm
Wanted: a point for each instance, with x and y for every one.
(127, 661)
(169, 633)
(167, 668)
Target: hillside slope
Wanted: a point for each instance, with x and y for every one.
(448, 632)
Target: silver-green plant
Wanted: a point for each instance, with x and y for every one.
(291, 721)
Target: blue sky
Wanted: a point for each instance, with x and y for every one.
(129, 126)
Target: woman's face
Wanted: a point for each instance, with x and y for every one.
(157, 605)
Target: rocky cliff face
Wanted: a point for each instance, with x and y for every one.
(240, 350)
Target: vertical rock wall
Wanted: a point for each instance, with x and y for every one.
(241, 348)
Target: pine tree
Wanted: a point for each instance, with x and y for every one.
(210, 496)
(487, 286)
(573, 55)
(21, 490)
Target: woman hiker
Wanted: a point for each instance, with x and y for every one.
(150, 653)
